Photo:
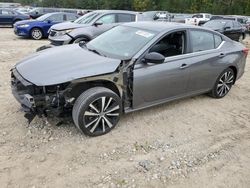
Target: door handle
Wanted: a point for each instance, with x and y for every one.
(222, 55)
(184, 66)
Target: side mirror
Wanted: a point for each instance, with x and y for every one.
(97, 23)
(227, 28)
(49, 21)
(154, 57)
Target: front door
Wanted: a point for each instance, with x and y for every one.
(157, 83)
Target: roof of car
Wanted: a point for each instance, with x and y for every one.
(53, 13)
(158, 26)
(116, 11)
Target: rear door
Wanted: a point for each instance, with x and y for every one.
(238, 30)
(230, 30)
(205, 63)
(6, 17)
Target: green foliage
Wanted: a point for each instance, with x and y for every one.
(241, 7)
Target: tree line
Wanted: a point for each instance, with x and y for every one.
(239, 7)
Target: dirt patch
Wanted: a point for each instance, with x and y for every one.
(194, 142)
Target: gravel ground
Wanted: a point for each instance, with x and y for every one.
(194, 142)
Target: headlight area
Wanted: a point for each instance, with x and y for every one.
(23, 26)
(41, 100)
(64, 32)
(57, 100)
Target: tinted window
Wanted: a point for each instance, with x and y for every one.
(237, 25)
(56, 18)
(126, 18)
(202, 40)
(197, 16)
(217, 41)
(107, 19)
(229, 24)
(240, 20)
(71, 17)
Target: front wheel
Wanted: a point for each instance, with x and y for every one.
(223, 84)
(78, 40)
(36, 34)
(97, 111)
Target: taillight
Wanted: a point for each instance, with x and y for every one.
(245, 51)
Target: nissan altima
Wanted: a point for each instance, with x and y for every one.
(130, 67)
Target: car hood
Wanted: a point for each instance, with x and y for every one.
(68, 25)
(63, 64)
(27, 22)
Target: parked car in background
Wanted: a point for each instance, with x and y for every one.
(230, 28)
(89, 26)
(24, 10)
(248, 24)
(37, 12)
(130, 67)
(180, 18)
(38, 29)
(156, 15)
(198, 19)
(10, 16)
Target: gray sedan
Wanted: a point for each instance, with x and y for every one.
(89, 26)
(128, 68)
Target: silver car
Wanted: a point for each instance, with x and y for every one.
(89, 26)
(130, 67)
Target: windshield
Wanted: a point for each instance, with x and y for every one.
(219, 24)
(44, 17)
(122, 42)
(87, 18)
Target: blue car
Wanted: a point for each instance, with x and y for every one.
(39, 28)
(10, 17)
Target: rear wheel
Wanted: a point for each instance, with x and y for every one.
(241, 38)
(97, 111)
(36, 34)
(223, 84)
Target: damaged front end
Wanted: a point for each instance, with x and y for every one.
(39, 100)
(58, 100)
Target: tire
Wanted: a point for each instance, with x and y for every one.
(81, 39)
(36, 34)
(223, 84)
(241, 38)
(97, 111)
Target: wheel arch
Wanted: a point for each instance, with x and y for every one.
(234, 68)
(81, 36)
(79, 88)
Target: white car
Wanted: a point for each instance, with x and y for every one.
(198, 19)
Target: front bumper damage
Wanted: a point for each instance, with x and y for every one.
(36, 100)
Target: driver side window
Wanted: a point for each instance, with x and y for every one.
(107, 19)
(171, 45)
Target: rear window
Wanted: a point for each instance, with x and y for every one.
(126, 18)
(202, 40)
(71, 17)
(56, 18)
(217, 41)
(197, 16)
